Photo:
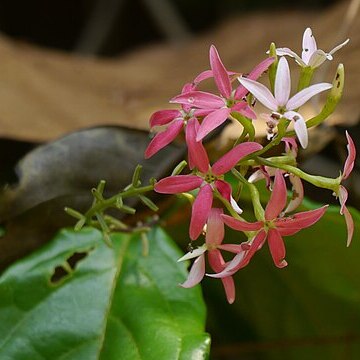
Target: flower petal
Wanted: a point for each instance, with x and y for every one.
(234, 248)
(194, 253)
(247, 112)
(317, 58)
(221, 77)
(336, 48)
(217, 262)
(343, 196)
(200, 211)
(178, 184)
(254, 74)
(225, 190)
(309, 45)
(299, 127)
(289, 52)
(277, 248)
(350, 160)
(163, 117)
(215, 227)
(232, 157)
(282, 82)
(163, 138)
(242, 259)
(199, 99)
(196, 273)
(241, 225)
(297, 193)
(212, 121)
(349, 225)
(278, 196)
(304, 95)
(261, 92)
(302, 219)
(197, 154)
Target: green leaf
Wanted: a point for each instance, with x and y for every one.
(77, 299)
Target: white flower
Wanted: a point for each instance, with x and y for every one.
(311, 55)
(281, 104)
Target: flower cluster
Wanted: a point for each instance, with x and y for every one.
(214, 203)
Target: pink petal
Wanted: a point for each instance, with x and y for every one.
(221, 76)
(241, 225)
(232, 157)
(207, 74)
(309, 45)
(304, 95)
(248, 112)
(277, 248)
(178, 184)
(282, 82)
(196, 273)
(199, 99)
(241, 91)
(233, 248)
(299, 127)
(197, 153)
(350, 160)
(349, 225)
(215, 227)
(163, 117)
(298, 193)
(229, 287)
(290, 145)
(216, 262)
(212, 121)
(301, 220)
(261, 92)
(242, 259)
(164, 138)
(278, 196)
(200, 211)
(343, 196)
(225, 190)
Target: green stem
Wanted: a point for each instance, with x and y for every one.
(306, 75)
(111, 202)
(319, 181)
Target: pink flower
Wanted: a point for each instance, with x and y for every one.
(273, 228)
(214, 238)
(280, 104)
(311, 55)
(220, 107)
(207, 179)
(342, 192)
(173, 121)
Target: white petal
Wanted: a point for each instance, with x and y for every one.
(309, 45)
(229, 269)
(318, 57)
(235, 206)
(282, 82)
(196, 273)
(289, 52)
(256, 176)
(299, 127)
(193, 254)
(336, 48)
(261, 92)
(304, 95)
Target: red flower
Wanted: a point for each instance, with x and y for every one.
(207, 179)
(273, 228)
